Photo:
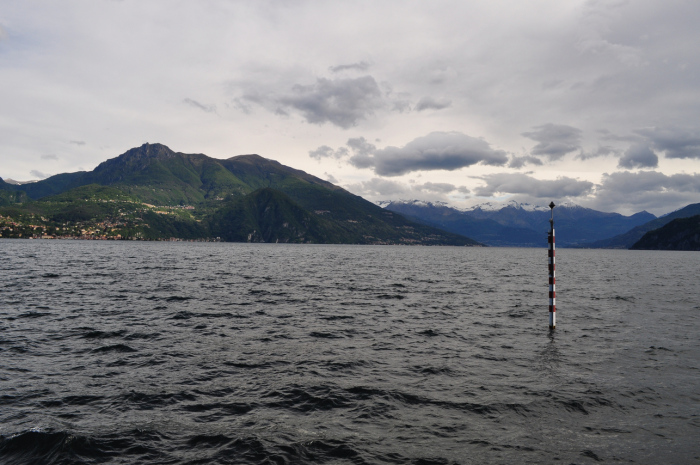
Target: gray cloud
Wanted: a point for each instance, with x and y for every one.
(601, 151)
(429, 103)
(77, 142)
(398, 101)
(617, 64)
(3, 33)
(49, 156)
(39, 174)
(325, 151)
(360, 66)
(438, 187)
(400, 104)
(555, 140)
(674, 142)
(519, 162)
(519, 183)
(607, 135)
(639, 156)
(361, 147)
(201, 106)
(436, 151)
(330, 178)
(645, 190)
(441, 75)
(626, 182)
(381, 189)
(342, 102)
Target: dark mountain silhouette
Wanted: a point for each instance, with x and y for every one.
(678, 234)
(629, 238)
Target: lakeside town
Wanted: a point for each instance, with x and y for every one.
(127, 226)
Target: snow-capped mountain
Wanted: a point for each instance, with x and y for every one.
(497, 206)
(519, 224)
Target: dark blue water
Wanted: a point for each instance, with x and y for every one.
(175, 353)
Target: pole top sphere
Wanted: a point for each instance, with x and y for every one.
(551, 205)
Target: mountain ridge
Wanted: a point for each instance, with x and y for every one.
(151, 191)
(677, 234)
(629, 238)
(523, 225)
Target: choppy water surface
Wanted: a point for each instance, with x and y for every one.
(235, 353)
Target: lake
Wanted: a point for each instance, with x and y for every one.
(174, 353)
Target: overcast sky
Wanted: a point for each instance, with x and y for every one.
(592, 102)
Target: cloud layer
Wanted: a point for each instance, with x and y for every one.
(592, 87)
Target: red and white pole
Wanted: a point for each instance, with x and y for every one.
(552, 278)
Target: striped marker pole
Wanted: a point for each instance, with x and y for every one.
(552, 279)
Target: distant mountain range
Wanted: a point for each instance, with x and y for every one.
(152, 192)
(521, 225)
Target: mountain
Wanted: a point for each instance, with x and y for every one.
(487, 230)
(152, 192)
(678, 234)
(629, 238)
(269, 215)
(521, 225)
(9, 194)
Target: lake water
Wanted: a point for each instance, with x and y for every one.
(170, 353)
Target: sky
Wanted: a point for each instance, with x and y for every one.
(464, 102)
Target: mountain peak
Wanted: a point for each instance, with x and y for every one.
(158, 151)
(415, 202)
(251, 157)
(133, 160)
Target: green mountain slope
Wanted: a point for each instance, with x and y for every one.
(678, 234)
(10, 195)
(268, 215)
